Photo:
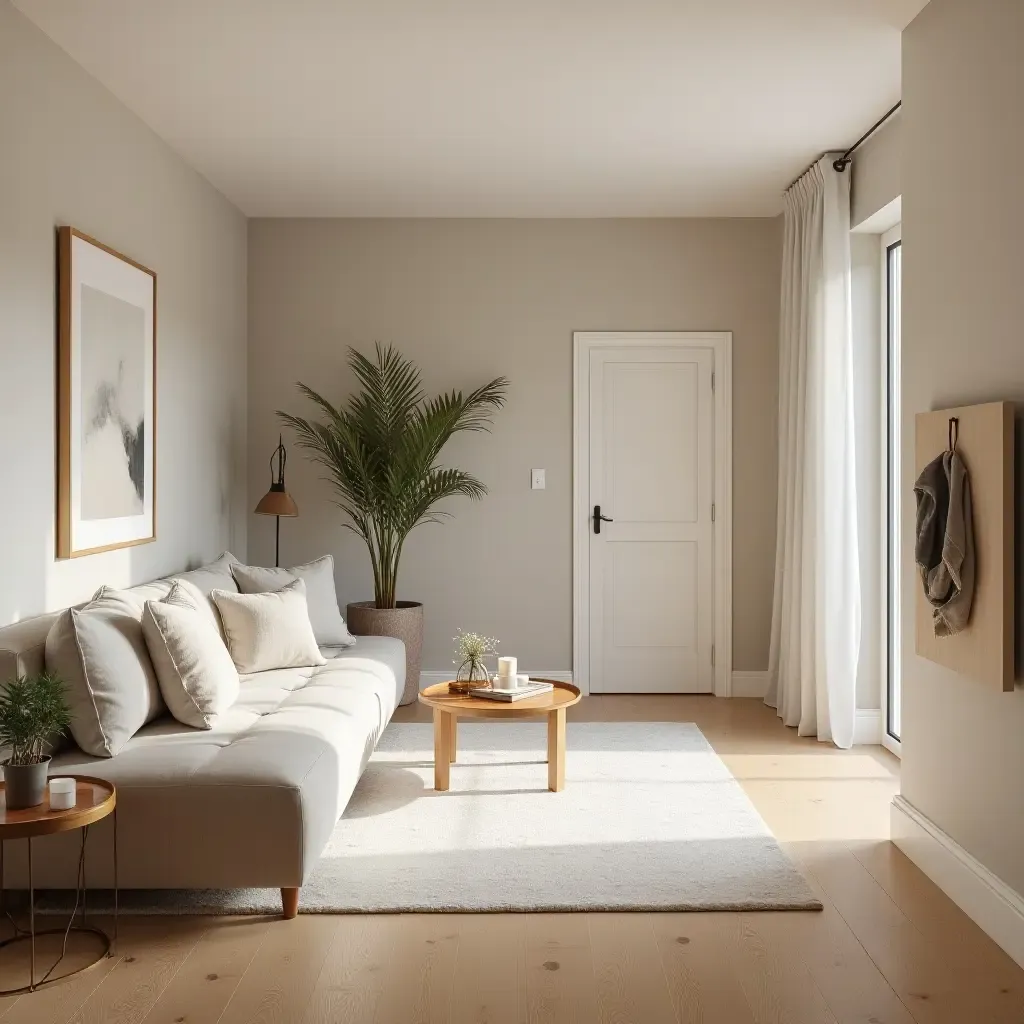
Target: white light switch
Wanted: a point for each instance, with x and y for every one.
(537, 479)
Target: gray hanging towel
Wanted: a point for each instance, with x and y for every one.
(944, 548)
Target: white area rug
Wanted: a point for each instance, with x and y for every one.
(650, 819)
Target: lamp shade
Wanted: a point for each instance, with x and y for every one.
(277, 503)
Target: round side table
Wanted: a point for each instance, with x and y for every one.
(95, 799)
(450, 707)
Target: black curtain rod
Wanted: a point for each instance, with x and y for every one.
(844, 161)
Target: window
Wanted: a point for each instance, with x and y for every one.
(892, 265)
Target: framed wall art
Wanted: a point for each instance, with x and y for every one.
(106, 398)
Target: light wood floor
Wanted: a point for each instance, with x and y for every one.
(889, 948)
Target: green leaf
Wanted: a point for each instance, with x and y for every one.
(33, 711)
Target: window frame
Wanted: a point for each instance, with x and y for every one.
(892, 505)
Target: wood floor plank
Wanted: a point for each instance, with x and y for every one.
(490, 971)
(778, 989)
(942, 922)
(60, 1002)
(853, 987)
(206, 981)
(696, 958)
(356, 971)
(282, 975)
(932, 988)
(152, 950)
(560, 986)
(630, 979)
(421, 971)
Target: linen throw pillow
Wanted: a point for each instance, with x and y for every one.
(201, 601)
(197, 677)
(267, 631)
(100, 653)
(321, 596)
(215, 576)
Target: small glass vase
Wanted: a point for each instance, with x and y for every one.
(472, 675)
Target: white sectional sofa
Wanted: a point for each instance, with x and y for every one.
(248, 803)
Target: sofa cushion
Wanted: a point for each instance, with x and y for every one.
(197, 677)
(99, 652)
(268, 631)
(321, 595)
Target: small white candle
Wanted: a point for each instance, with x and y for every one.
(507, 670)
(522, 681)
(63, 794)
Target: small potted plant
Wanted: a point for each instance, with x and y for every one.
(470, 651)
(33, 712)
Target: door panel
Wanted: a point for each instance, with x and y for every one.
(645, 402)
(640, 568)
(651, 471)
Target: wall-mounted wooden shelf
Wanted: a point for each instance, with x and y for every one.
(984, 650)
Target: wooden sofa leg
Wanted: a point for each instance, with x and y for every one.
(290, 902)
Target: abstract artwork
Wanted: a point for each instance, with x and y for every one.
(106, 398)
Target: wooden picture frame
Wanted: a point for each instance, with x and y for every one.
(106, 398)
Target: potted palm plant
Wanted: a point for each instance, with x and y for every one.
(33, 713)
(381, 453)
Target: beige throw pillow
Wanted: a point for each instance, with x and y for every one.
(100, 653)
(267, 631)
(197, 677)
(321, 596)
(215, 576)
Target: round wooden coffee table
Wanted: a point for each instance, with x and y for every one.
(450, 707)
(95, 799)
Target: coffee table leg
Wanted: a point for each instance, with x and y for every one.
(453, 742)
(442, 753)
(556, 750)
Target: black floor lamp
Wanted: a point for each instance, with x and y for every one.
(277, 501)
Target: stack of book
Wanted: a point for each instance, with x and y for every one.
(532, 689)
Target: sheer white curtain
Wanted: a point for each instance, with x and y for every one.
(816, 613)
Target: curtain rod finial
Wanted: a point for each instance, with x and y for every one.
(841, 164)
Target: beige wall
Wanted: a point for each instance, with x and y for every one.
(470, 300)
(876, 171)
(72, 154)
(963, 342)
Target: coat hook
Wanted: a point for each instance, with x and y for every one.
(954, 432)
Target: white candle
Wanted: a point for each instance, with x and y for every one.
(522, 681)
(63, 794)
(507, 671)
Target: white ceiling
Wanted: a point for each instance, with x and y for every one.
(494, 107)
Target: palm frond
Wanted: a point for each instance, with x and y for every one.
(380, 452)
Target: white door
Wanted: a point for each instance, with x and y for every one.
(651, 559)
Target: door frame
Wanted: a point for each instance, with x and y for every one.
(720, 343)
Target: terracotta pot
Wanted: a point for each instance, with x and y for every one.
(25, 784)
(404, 623)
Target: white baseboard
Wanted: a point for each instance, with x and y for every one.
(749, 684)
(996, 908)
(867, 727)
(430, 678)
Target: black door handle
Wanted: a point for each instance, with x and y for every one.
(599, 519)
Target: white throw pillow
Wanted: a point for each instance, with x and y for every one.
(215, 576)
(328, 625)
(100, 653)
(201, 601)
(197, 677)
(268, 631)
